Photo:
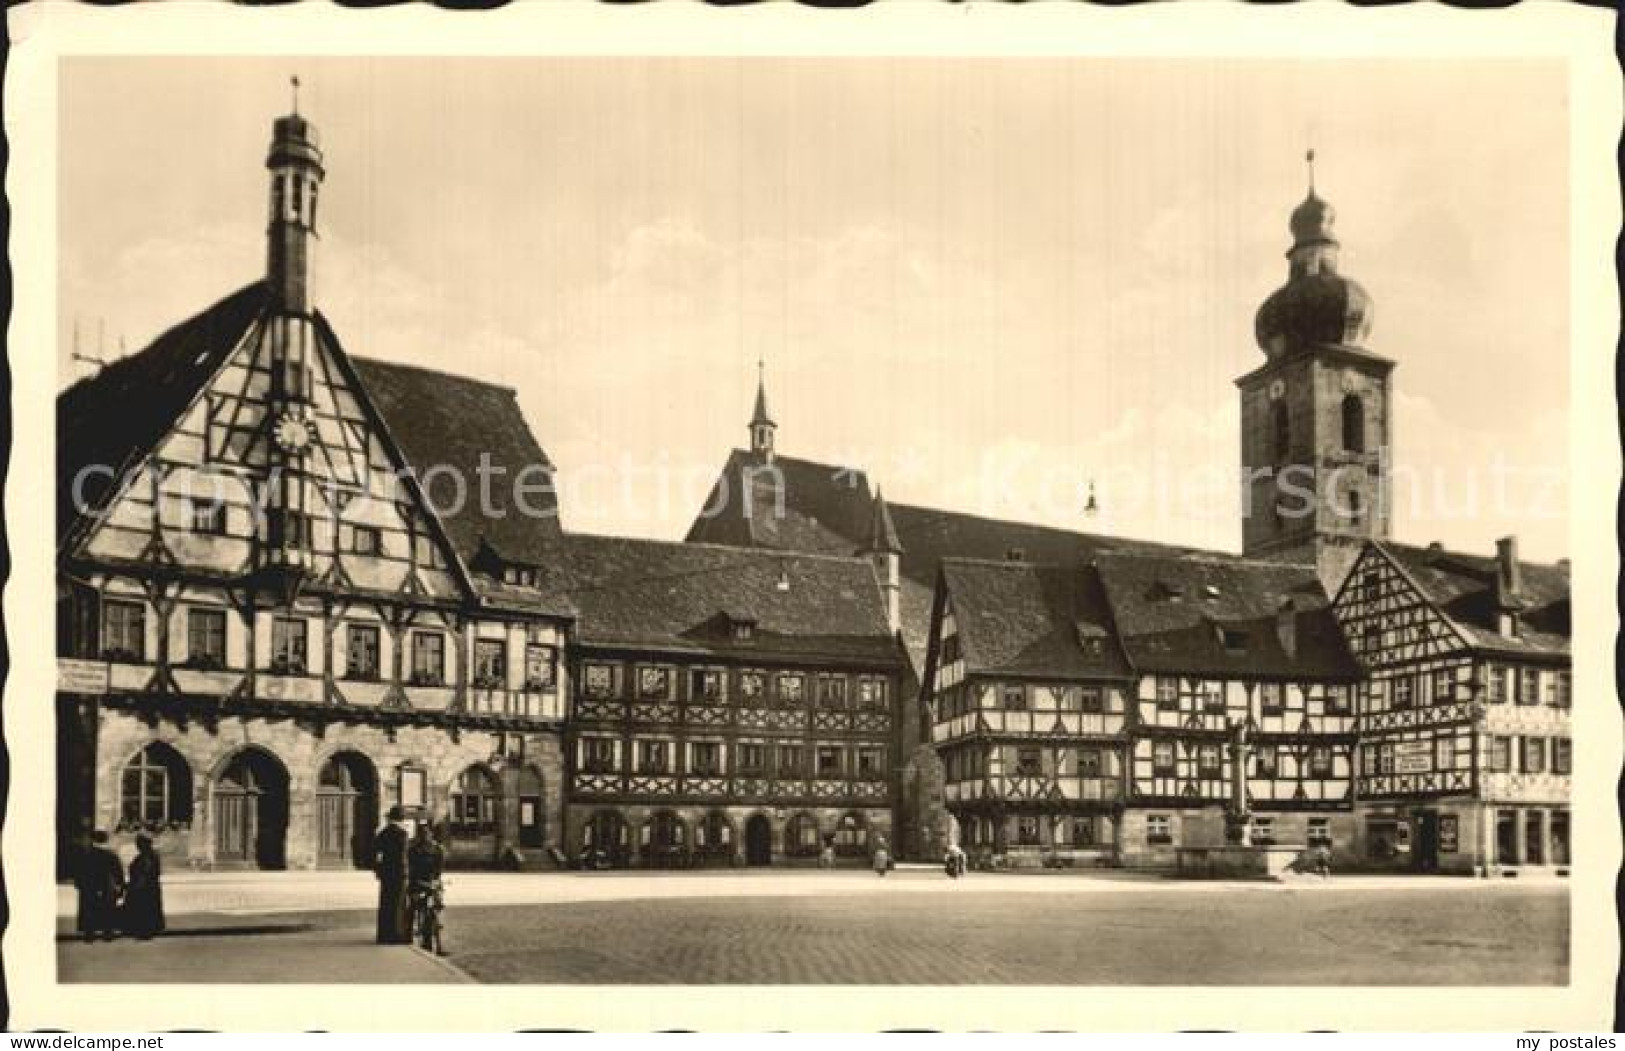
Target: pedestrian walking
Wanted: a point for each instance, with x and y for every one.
(826, 856)
(1321, 861)
(882, 856)
(389, 865)
(99, 879)
(954, 861)
(144, 892)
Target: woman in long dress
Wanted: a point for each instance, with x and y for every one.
(144, 892)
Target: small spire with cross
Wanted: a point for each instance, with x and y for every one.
(294, 82)
(1309, 159)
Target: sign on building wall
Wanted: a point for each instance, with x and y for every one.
(412, 783)
(81, 676)
(1413, 757)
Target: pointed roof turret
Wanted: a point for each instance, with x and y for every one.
(761, 415)
(882, 533)
(761, 421)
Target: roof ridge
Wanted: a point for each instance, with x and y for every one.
(766, 553)
(1206, 555)
(1425, 549)
(459, 377)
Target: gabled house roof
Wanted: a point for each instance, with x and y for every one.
(682, 597)
(108, 423)
(117, 417)
(1018, 618)
(1462, 588)
(802, 505)
(1212, 614)
(453, 423)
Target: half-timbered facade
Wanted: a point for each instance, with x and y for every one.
(1223, 646)
(268, 634)
(732, 706)
(1028, 711)
(1465, 748)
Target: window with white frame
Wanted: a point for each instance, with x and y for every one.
(428, 658)
(597, 755)
(124, 630)
(654, 757)
(289, 645)
(490, 664)
(705, 758)
(654, 683)
(1320, 832)
(1168, 694)
(206, 516)
(206, 638)
(361, 660)
(705, 684)
(1162, 757)
(541, 666)
(598, 681)
(1159, 829)
(1562, 755)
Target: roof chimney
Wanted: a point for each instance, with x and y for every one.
(1286, 626)
(1508, 586)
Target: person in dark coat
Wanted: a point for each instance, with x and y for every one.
(389, 865)
(144, 893)
(99, 879)
(425, 863)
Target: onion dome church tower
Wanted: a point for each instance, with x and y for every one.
(1316, 420)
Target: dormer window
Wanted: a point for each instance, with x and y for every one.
(519, 575)
(1015, 554)
(1233, 640)
(744, 630)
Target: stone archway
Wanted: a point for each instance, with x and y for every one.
(249, 808)
(346, 811)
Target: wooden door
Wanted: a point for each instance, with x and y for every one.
(336, 825)
(758, 841)
(234, 826)
(531, 827)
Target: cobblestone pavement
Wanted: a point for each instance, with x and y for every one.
(910, 928)
(1463, 935)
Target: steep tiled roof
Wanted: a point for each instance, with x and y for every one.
(670, 596)
(789, 504)
(1020, 618)
(1170, 611)
(1462, 587)
(114, 418)
(450, 423)
(117, 417)
(802, 505)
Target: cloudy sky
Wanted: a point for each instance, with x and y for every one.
(986, 281)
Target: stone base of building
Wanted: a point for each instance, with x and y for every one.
(688, 835)
(1149, 843)
(253, 792)
(1464, 837)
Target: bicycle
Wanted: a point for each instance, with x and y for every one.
(428, 900)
